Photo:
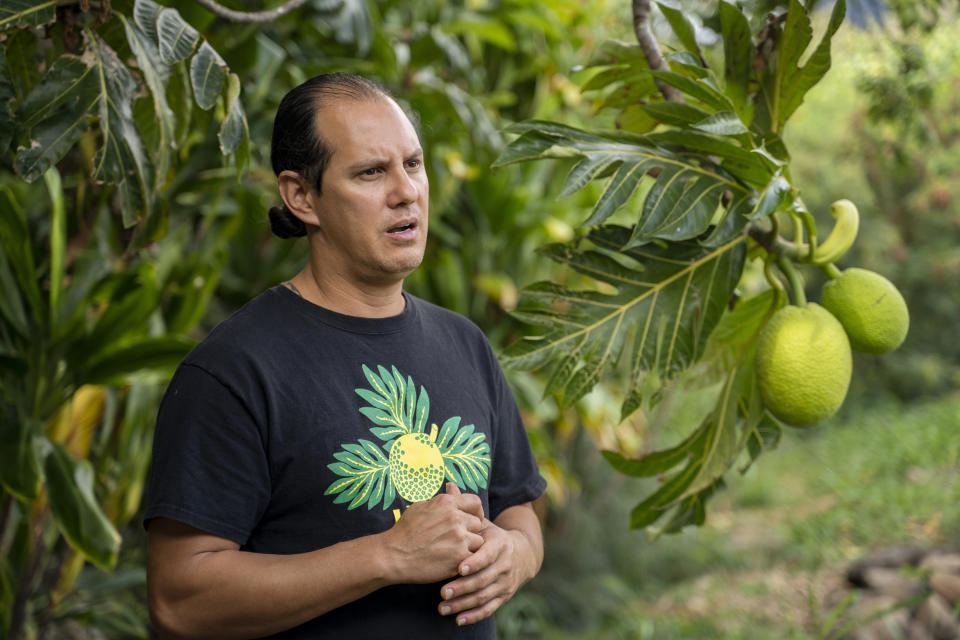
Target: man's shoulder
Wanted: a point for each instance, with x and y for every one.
(457, 336)
(253, 327)
(438, 316)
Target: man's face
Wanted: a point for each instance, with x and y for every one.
(373, 203)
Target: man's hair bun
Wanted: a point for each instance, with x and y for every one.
(286, 225)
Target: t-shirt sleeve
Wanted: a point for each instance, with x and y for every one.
(515, 478)
(209, 467)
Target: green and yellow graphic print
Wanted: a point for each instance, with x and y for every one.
(410, 461)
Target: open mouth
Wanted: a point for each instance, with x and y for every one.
(403, 228)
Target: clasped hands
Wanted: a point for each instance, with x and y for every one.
(449, 536)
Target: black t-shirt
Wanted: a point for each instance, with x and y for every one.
(291, 428)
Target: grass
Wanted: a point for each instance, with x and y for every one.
(775, 543)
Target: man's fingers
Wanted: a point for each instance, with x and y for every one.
(453, 489)
(471, 503)
(471, 584)
(481, 559)
(474, 542)
(471, 600)
(482, 608)
(476, 615)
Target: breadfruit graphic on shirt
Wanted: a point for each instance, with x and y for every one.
(410, 461)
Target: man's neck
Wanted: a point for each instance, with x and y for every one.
(350, 299)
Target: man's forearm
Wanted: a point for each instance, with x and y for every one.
(203, 586)
(523, 519)
(238, 594)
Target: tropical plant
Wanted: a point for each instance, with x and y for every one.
(130, 112)
(699, 163)
(90, 321)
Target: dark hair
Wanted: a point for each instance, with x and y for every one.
(297, 144)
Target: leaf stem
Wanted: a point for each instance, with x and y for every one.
(831, 270)
(771, 276)
(797, 229)
(796, 284)
(811, 226)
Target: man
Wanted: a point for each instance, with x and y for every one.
(340, 459)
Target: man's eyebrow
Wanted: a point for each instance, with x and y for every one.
(366, 164)
(377, 162)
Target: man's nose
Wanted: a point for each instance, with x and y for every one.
(404, 189)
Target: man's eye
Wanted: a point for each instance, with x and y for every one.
(372, 171)
(414, 164)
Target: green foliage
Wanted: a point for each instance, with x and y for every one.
(714, 177)
(881, 475)
(911, 151)
(669, 299)
(76, 509)
(92, 82)
(83, 305)
(141, 235)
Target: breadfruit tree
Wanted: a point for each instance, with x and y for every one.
(698, 166)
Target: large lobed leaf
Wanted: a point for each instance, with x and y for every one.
(689, 186)
(738, 420)
(668, 298)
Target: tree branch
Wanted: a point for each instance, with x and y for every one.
(651, 51)
(251, 16)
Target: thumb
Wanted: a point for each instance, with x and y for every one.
(453, 489)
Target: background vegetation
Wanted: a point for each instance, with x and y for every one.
(115, 260)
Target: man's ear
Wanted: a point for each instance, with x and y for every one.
(298, 195)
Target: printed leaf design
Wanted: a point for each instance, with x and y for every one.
(365, 476)
(416, 462)
(394, 404)
(686, 193)
(466, 454)
(667, 302)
